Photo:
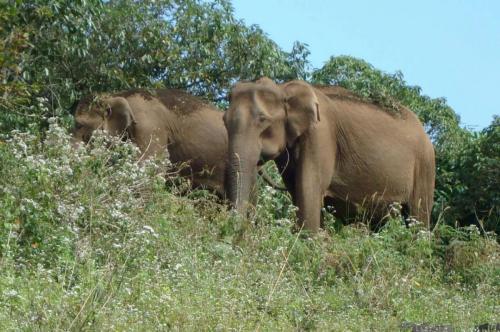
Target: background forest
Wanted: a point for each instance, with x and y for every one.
(64, 264)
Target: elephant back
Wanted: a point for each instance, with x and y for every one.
(175, 100)
(385, 103)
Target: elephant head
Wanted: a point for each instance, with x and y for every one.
(111, 114)
(262, 121)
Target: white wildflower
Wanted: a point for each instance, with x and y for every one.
(150, 230)
(116, 214)
(10, 293)
(412, 222)
(52, 120)
(395, 209)
(28, 204)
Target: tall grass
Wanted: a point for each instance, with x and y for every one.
(92, 240)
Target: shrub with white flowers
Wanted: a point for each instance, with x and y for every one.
(47, 185)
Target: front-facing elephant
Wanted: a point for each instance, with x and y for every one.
(165, 121)
(329, 147)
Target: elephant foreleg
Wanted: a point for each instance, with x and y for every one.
(308, 195)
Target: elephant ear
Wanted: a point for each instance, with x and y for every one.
(302, 108)
(119, 116)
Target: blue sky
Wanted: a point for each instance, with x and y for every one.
(450, 48)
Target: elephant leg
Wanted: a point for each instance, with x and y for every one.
(308, 194)
(419, 203)
(421, 210)
(422, 197)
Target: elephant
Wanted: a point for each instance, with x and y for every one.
(165, 121)
(330, 146)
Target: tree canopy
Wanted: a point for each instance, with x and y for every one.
(61, 49)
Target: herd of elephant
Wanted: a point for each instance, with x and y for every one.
(330, 146)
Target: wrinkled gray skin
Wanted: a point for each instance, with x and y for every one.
(330, 147)
(168, 122)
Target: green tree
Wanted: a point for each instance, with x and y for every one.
(62, 49)
(477, 179)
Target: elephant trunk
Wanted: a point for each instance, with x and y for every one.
(242, 170)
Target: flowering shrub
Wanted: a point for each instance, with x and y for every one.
(53, 196)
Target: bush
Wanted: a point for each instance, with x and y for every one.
(474, 180)
(52, 196)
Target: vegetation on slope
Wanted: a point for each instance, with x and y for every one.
(93, 240)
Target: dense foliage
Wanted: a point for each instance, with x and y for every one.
(474, 179)
(62, 49)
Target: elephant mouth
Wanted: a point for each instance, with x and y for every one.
(264, 158)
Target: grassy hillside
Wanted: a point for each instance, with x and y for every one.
(91, 240)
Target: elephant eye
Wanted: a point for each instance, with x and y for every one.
(267, 133)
